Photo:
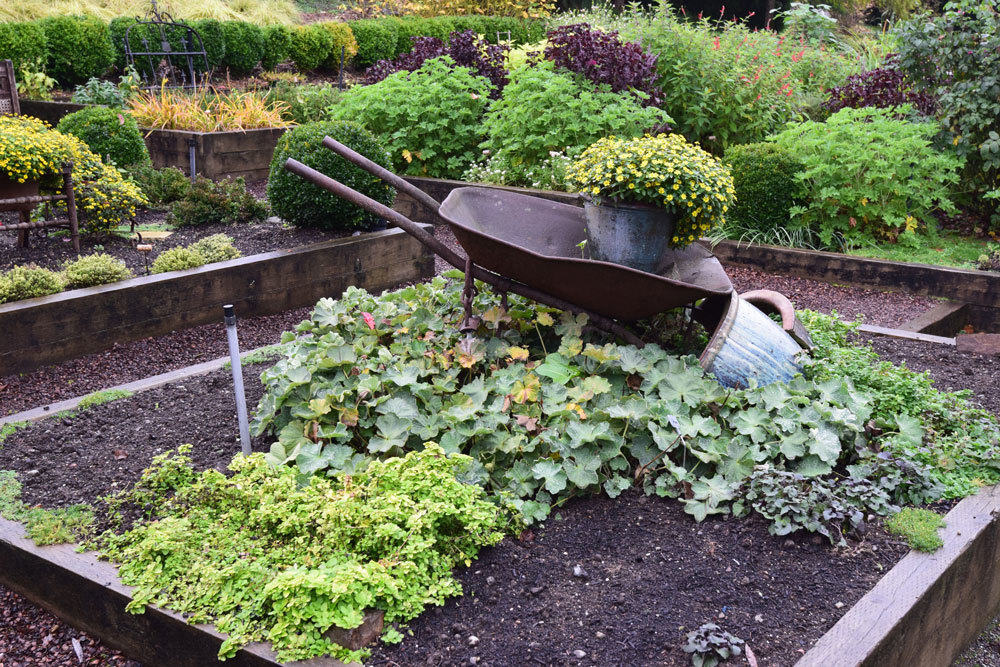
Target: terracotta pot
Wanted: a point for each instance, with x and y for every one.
(10, 189)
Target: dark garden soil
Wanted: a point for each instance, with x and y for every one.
(51, 249)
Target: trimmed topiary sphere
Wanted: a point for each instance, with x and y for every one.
(28, 282)
(306, 205)
(764, 179)
(176, 259)
(111, 133)
(97, 269)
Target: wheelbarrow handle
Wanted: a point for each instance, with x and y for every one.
(413, 229)
(378, 170)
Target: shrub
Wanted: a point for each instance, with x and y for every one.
(376, 40)
(216, 248)
(766, 189)
(33, 83)
(116, 35)
(277, 43)
(464, 49)
(867, 174)
(430, 119)
(305, 103)
(603, 57)
(33, 151)
(543, 111)
(79, 47)
(213, 38)
(955, 58)
(527, 8)
(176, 259)
(342, 38)
(97, 269)
(208, 202)
(306, 205)
(883, 87)
(665, 171)
(310, 46)
(161, 186)
(111, 133)
(245, 45)
(28, 282)
(23, 43)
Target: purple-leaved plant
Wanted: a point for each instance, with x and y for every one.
(882, 87)
(465, 48)
(603, 57)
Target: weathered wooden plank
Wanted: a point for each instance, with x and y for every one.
(217, 154)
(908, 335)
(88, 595)
(927, 608)
(981, 288)
(942, 320)
(58, 327)
(49, 111)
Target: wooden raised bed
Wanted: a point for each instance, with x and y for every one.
(921, 613)
(50, 112)
(217, 155)
(54, 328)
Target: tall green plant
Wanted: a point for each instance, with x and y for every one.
(430, 119)
(868, 174)
(956, 57)
(544, 111)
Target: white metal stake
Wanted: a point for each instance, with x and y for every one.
(234, 359)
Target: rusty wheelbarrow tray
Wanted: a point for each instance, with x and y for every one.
(529, 246)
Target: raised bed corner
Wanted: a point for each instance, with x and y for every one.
(62, 326)
(87, 594)
(217, 155)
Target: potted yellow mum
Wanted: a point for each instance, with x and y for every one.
(648, 194)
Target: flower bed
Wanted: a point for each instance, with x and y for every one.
(216, 155)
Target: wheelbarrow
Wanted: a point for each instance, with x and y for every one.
(531, 246)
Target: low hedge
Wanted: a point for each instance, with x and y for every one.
(76, 48)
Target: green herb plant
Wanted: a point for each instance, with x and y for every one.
(267, 554)
(709, 645)
(43, 526)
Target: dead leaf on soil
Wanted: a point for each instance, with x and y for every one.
(120, 454)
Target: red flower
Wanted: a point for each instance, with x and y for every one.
(715, 44)
(369, 320)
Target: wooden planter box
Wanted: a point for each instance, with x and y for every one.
(217, 155)
(50, 329)
(50, 112)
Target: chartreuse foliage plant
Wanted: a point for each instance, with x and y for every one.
(549, 412)
(430, 119)
(43, 526)
(30, 150)
(28, 282)
(665, 171)
(544, 111)
(919, 527)
(267, 554)
(96, 269)
(867, 174)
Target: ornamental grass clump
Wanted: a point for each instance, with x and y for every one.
(30, 150)
(663, 170)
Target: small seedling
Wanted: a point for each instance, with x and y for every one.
(919, 527)
(709, 645)
(582, 245)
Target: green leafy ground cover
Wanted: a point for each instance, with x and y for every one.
(549, 412)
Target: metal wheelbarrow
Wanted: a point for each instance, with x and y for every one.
(532, 247)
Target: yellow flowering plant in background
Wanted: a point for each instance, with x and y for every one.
(664, 170)
(30, 150)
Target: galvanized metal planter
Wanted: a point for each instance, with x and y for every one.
(748, 346)
(634, 235)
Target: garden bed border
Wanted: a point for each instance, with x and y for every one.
(87, 593)
(922, 613)
(69, 324)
